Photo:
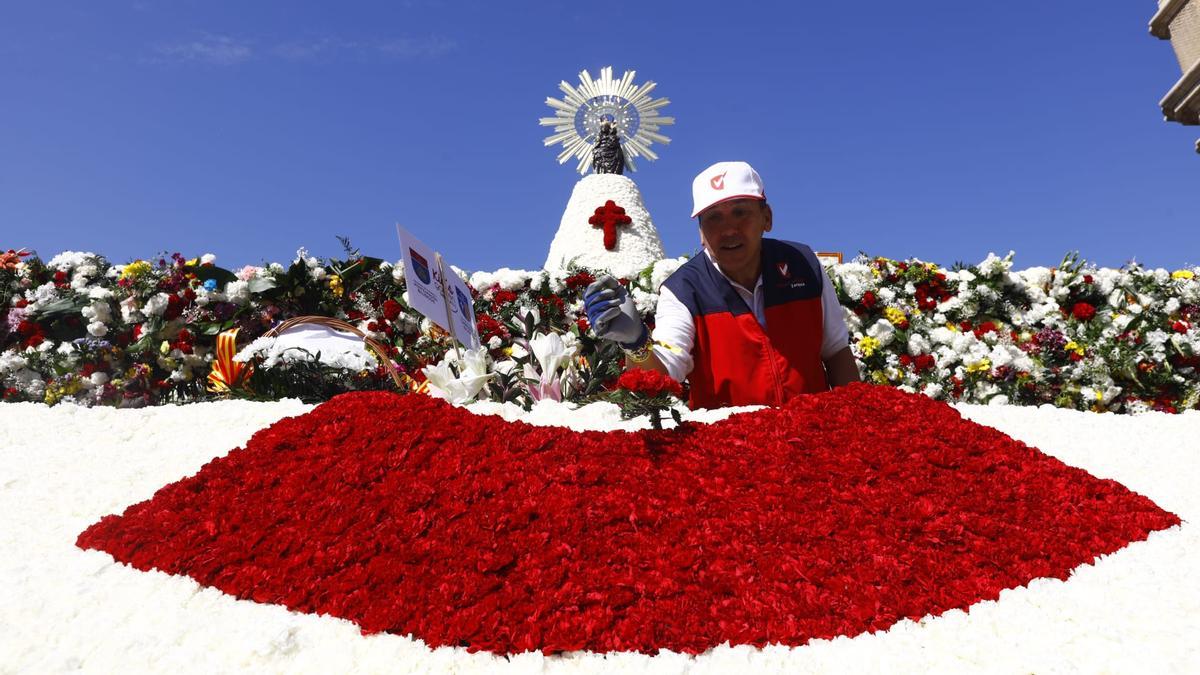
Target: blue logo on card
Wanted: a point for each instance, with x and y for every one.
(420, 266)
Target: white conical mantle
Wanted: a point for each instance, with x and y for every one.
(638, 245)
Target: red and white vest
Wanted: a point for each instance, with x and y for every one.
(735, 360)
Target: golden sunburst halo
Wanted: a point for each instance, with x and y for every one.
(628, 106)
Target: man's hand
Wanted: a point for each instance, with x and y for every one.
(612, 313)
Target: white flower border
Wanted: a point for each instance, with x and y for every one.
(1137, 610)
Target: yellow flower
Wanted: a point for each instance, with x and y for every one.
(135, 269)
(335, 285)
(980, 366)
(164, 348)
(895, 316)
(1074, 346)
(867, 345)
(1183, 274)
(878, 377)
(62, 388)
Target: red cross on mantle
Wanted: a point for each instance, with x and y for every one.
(609, 217)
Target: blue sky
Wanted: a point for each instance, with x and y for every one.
(936, 129)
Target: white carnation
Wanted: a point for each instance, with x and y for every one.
(882, 330)
(156, 305)
(918, 344)
(663, 269)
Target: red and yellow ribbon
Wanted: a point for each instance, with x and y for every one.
(227, 374)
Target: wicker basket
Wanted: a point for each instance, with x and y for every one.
(343, 327)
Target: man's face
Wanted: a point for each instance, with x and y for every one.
(732, 232)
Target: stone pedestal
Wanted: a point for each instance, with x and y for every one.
(638, 244)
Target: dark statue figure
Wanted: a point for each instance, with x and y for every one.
(607, 154)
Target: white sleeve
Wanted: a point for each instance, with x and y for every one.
(674, 326)
(835, 336)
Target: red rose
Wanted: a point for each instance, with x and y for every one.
(868, 300)
(1083, 311)
(1180, 327)
(391, 309)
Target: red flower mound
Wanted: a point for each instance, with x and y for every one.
(837, 514)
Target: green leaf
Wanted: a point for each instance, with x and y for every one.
(297, 274)
(214, 328)
(61, 308)
(262, 284)
(150, 339)
(221, 275)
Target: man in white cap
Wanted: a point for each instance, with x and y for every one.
(749, 321)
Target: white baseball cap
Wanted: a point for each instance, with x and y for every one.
(724, 181)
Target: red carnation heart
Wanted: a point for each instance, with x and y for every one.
(840, 513)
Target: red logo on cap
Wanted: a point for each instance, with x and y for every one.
(783, 270)
(718, 182)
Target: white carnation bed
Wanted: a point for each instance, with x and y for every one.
(64, 609)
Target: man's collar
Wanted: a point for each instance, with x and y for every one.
(713, 260)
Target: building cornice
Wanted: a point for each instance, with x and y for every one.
(1182, 103)
(1160, 23)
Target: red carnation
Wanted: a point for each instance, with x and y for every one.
(1180, 327)
(489, 327)
(923, 362)
(649, 383)
(501, 297)
(175, 305)
(982, 329)
(581, 280)
(868, 300)
(1083, 311)
(391, 309)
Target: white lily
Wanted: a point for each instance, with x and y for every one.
(549, 351)
(462, 387)
(552, 354)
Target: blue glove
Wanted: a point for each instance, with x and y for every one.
(612, 313)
